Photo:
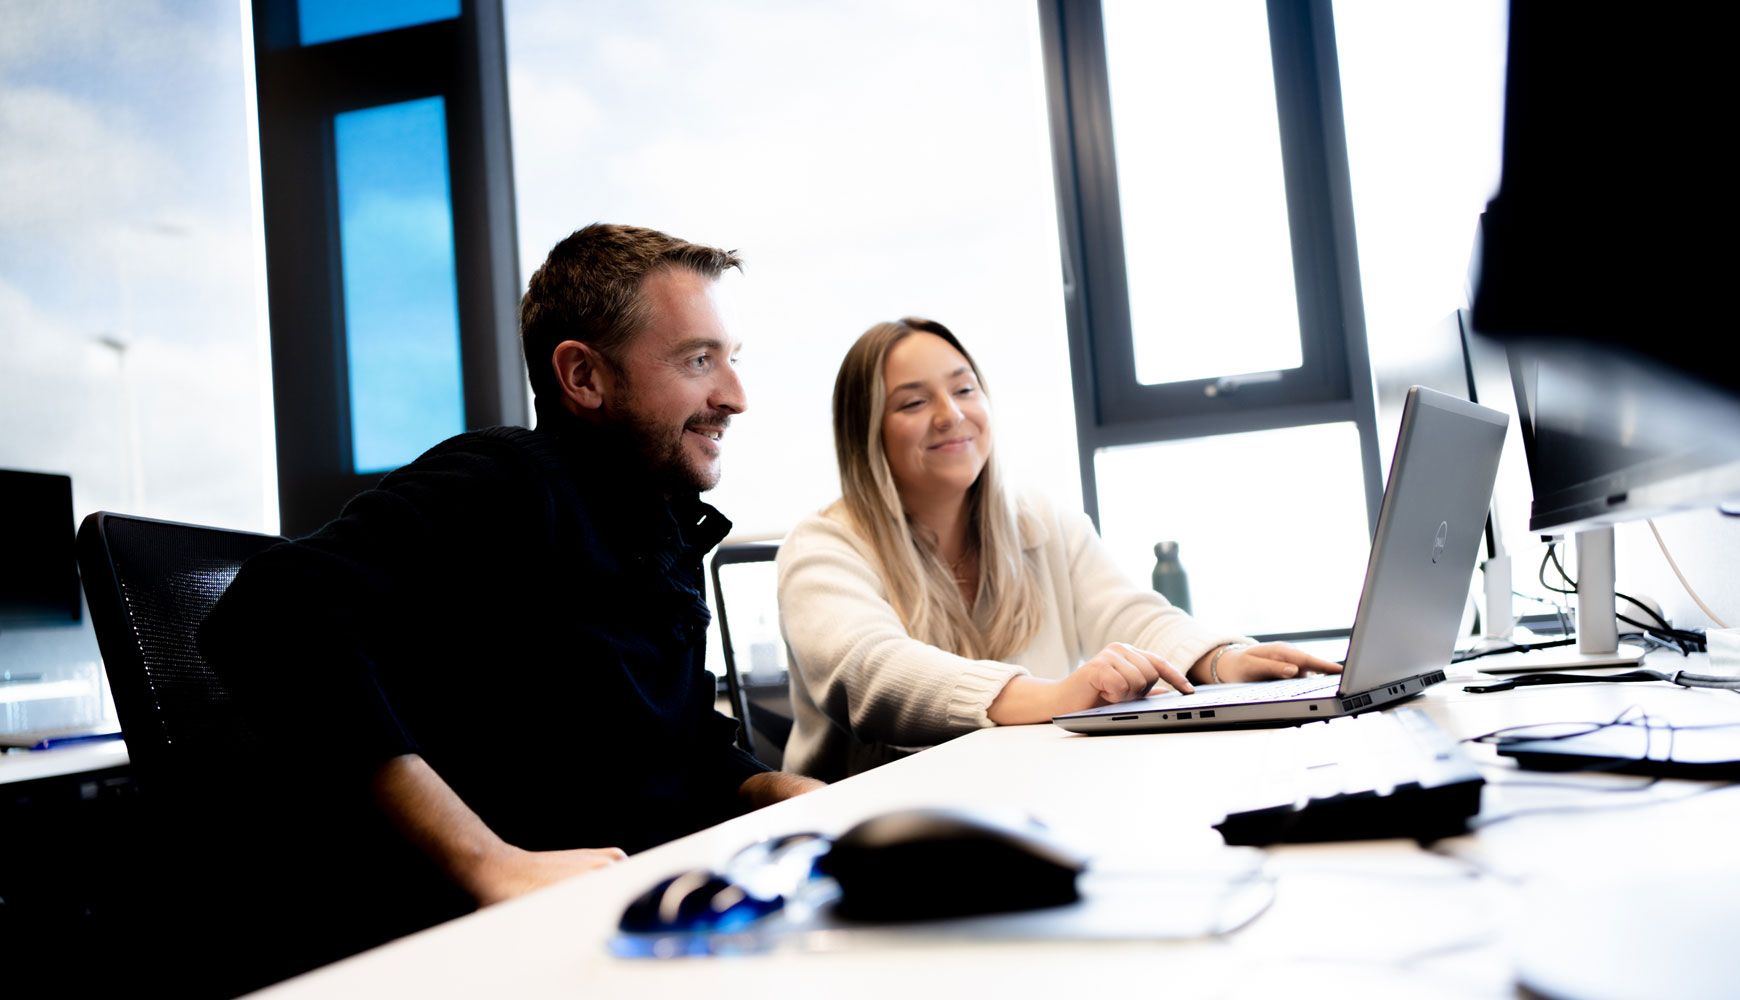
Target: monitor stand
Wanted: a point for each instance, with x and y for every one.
(1598, 642)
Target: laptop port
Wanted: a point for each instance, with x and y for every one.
(1207, 713)
(1184, 715)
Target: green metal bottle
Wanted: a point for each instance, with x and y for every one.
(1169, 579)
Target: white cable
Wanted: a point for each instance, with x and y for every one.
(1676, 568)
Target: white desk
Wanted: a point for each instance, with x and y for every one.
(74, 758)
(1362, 919)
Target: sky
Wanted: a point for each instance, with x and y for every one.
(127, 300)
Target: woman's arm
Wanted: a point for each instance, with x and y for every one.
(1120, 672)
(1108, 608)
(854, 657)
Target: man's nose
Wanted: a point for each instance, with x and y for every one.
(728, 393)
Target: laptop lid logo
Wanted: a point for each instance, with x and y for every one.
(1438, 542)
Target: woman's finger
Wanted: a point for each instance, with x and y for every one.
(1168, 673)
(1136, 684)
(1295, 656)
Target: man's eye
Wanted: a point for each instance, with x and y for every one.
(701, 361)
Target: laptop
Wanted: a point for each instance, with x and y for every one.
(1417, 581)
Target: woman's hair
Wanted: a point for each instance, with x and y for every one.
(920, 583)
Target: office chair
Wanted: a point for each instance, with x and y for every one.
(249, 870)
(149, 585)
(221, 873)
(762, 707)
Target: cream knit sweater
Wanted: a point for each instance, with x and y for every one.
(865, 692)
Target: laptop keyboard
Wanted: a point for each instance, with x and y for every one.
(1291, 689)
(1378, 775)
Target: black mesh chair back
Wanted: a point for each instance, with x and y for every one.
(243, 876)
(762, 704)
(149, 585)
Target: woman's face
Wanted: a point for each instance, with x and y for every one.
(936, 424)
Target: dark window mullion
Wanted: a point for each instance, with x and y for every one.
(300, 89)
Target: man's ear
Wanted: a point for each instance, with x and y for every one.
(583, 375)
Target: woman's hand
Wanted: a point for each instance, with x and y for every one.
(1118, 673)
(1267, 662)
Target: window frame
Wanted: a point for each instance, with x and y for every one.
(299, 89)
(1334, 382)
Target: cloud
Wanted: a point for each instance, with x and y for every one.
(66, 160)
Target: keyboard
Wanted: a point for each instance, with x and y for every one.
(1291, 689)
(1364, 777)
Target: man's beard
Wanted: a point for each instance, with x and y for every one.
(661, 452)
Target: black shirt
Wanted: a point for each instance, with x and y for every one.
(524, 609)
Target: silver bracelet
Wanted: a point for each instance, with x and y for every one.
(1214, 661)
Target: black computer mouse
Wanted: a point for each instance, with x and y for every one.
(923, 864)
(695, 901)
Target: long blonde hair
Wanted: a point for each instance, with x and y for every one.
(920, 583)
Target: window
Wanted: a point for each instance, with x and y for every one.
(1262, 558)
(388, 199)
(909, 174)
(329, 20)
(132, 357)
(1214, 299)
(401, 309)
(1202, 193)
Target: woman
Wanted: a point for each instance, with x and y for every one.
(928, 601)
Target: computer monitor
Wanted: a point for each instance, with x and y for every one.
(1595, 268)
(1612, 437)
(39, 579)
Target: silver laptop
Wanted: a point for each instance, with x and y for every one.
(1416, 585)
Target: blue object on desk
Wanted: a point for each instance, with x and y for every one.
(53, 742)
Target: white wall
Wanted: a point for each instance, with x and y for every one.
(870, 160)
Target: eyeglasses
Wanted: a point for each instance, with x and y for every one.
(764, 878)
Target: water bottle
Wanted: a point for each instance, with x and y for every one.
(1169, 579)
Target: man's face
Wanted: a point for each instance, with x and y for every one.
(676, 388)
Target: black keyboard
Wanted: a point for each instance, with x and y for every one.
(1366, 777)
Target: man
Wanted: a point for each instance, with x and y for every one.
(502, 643)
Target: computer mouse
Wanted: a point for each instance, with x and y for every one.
(924, 864)
(695, 901)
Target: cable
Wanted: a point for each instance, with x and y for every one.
(1681, 677)
(1542, 574)
(1676, 568)
(1515, 647)
(1687, 642)
(1478, 824)
(1559, 610)
(1646, 609)
(1514, 734)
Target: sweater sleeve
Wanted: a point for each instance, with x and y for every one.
(1109, 608)
(854, 656)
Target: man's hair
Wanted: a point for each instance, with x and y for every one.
(588, 289)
